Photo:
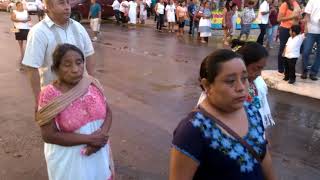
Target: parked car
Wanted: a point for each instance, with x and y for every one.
(31, 6)
(80, 9)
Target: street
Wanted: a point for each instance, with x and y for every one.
(150, 80)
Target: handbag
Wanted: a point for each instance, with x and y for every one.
(231, 132)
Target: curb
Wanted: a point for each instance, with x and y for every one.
(303, 87)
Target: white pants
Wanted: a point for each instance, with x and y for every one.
(95, 24)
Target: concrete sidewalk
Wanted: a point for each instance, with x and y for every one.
(303, 87)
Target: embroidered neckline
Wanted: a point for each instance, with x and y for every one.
(230, 146)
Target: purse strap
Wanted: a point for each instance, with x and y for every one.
(231, 132)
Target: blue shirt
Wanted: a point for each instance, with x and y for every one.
(192, 9)
(94, 10)
(219, 155)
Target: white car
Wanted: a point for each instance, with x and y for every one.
(31, 6)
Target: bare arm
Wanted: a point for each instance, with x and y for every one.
(34, 78)
(224, 16)
(50, 134)
(105, 128)
(181, 166)
(306, 20)
(282, 17)
(267, 167)
(90, 65)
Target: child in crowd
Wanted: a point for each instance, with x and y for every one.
(234, 9)
(273, 26)
(292, 53)
(227, 21)
(95, 19)
(247, 17)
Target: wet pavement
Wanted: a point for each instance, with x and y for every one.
(150, 80)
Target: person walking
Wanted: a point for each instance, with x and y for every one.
(124, 12)
(170, 12)
(234, 18)
(273, 26)
(191, 11)
(182, 15)
(95, 19)
(214, 141)
(263, 19)
(289, 14)
(227, 21)
(20, 19)
(116, 9)
(143, 11)
(160, 9)
(247, 17)
(133, 7)
(72, 115)
(205, 23)
(56, 28)
(312, 30)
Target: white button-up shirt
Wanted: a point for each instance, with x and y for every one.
(116, 5)
(313, 8)
(43, 39)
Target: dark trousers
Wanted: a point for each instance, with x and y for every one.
(290, 68)
(160, 19)
(149, 11)
(191, 24)
(263, 30)
(124, 18)
(117, 15)
(283, 37)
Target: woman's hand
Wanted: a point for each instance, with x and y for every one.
(89, 150)
(98, 139)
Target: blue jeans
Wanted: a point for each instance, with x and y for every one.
(272, 32)
(307, 47)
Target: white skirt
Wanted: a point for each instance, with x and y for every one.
(171, 17)
(67, 163)
(205, 27)
(132, 16)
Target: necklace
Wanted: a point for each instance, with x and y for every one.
(253, 96)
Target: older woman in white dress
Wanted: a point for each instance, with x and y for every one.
(133, 5)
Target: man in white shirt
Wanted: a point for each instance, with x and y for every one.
(312, 31)
(55, 28)
(263, 19)
(116, 8)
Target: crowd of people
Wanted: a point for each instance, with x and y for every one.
(223, 138)
(275, 24)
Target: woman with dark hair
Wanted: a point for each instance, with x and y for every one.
(223, 137)
(254, 56)
(227, 21)
(20, 19)
(75, 120)
(182, 15)
(205, 23)
(289, 14)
